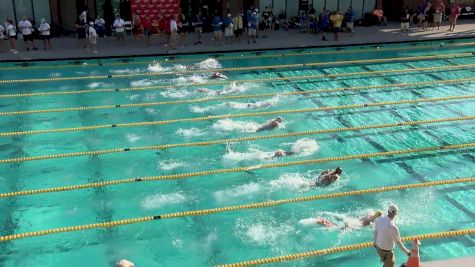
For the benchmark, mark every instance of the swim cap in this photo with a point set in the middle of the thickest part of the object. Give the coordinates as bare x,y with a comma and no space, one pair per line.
393,209
124,263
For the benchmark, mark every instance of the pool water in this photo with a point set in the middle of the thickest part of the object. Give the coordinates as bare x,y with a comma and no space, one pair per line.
245,234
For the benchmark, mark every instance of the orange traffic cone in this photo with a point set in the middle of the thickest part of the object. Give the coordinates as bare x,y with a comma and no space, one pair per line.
414,260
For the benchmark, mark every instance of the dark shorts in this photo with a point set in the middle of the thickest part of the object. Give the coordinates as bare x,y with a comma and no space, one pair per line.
12,37
238,31
81,34
28,37
147,32
45,37
336,29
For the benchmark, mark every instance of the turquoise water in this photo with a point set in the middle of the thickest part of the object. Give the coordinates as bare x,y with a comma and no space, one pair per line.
240,235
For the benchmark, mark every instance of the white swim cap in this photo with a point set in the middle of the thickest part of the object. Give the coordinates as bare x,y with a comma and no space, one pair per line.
124,263
393,209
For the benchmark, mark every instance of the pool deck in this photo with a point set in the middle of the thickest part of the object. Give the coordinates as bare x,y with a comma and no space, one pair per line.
462,262
66,47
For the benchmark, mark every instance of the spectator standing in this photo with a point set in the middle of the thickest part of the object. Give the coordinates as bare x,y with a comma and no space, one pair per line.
173,32
81,29
311,12
12,35
283,23
324,23
147,29
336,20
439,14
252,27
228,28
217,25
92,37
100,25
108,16
45,34
386,235
267,17
183,29
119,26
197,23
350,20
454,13
405,20
2,38
238,26
136,25
26,29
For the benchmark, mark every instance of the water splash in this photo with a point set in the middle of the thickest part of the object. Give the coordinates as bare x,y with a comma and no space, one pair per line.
305,147
132,138
209,63
248,190
191,132
168,165
176,93
161,200
229,125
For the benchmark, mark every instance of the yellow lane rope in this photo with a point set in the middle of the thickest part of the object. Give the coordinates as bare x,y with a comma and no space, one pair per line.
233,170
228,116
334,250
261,80
232,97
242,57
281,66
257,205
233,140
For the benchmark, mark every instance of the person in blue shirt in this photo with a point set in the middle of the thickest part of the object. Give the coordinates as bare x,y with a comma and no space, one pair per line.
324,23
217,25
350,20
252,27
197,24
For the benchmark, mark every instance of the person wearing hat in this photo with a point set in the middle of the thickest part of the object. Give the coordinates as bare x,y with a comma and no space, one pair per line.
386,234
124,263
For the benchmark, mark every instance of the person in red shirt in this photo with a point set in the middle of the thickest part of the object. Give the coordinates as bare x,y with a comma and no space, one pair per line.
162,25
454,13
147,29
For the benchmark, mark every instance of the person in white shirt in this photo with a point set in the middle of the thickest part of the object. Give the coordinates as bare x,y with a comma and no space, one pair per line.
12,35
45,33
386,234
26,29
92,37
119,25
173,31
2,37
100,26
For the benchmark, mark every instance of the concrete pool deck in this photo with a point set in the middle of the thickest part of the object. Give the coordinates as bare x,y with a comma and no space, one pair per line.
66,47
461,262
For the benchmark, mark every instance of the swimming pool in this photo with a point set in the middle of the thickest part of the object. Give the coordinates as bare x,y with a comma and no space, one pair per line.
113,110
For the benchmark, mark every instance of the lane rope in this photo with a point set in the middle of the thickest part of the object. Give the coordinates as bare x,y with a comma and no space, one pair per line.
235,170
281,66
232,140
339,249
168,60
258,205
227,82
228,116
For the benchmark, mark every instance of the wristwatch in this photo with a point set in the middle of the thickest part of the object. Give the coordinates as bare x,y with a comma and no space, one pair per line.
409,253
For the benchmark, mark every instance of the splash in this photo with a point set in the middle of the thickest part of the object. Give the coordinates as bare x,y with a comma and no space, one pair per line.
259,104
155,66
126,71
54,75
95,85
175,93
229,125
132,138
305,147
292,181
237,192
253,154
168,165
191,132
143,82
161,200
262,234
195,79
235,88
134,97
209,63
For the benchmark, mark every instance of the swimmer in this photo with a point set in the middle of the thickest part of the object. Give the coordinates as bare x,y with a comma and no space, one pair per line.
274,123
369,218
327,177
280,153
218,75
326,223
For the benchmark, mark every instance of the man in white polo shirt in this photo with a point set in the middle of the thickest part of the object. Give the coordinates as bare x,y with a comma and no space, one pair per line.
386,234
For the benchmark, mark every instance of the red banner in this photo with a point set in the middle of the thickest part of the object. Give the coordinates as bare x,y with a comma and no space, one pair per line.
153,8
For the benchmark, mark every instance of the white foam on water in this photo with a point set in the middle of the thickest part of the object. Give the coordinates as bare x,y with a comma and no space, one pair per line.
95,85
253,154
229,125
132,138
150,111
156,67
178,243
54,75
259,104
292,181
237,192
196,79
209,63
168,165
161,200
200,109
190,132
235,88
262,234
126,71
134,97
176,93
143,82
305,147
308,222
